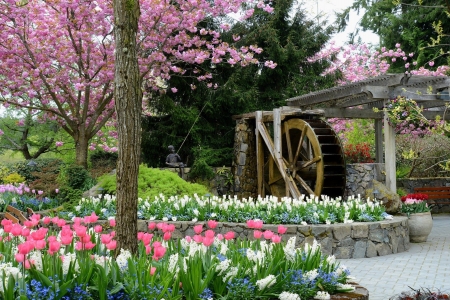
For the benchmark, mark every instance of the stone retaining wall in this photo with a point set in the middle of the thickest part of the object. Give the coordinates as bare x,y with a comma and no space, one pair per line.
353,240
360,177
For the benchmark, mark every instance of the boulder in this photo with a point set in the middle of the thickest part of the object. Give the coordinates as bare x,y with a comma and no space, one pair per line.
390,200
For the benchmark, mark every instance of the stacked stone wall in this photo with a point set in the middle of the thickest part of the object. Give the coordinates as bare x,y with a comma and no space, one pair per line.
244,159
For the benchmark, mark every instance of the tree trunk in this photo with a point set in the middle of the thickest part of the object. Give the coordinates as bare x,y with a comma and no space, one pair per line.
81,151
128,105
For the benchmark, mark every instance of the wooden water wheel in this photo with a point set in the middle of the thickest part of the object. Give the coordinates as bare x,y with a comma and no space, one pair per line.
299,154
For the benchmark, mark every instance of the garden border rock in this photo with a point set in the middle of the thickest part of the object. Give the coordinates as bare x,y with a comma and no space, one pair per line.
344,241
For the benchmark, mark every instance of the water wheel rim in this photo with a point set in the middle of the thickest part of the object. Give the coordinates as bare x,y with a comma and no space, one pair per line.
291,155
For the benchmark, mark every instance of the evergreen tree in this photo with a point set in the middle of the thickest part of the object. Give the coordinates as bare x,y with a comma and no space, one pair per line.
288,37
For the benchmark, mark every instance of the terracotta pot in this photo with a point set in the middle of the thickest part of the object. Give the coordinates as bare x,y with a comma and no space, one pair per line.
420,226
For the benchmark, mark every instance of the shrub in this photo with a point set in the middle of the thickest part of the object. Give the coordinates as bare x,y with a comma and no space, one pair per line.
77,177
359,153
102,162
68,196
13,178
153,182
4,171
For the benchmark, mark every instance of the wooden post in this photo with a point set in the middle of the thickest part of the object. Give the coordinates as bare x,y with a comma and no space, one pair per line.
259,156
389,155
277,138
378,141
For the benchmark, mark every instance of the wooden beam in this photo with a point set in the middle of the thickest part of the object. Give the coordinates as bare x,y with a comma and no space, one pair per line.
345,91
378,141
354,113
259,156
389,155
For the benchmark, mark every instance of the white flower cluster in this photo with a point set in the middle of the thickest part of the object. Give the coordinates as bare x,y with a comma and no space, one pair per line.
290,249
67,260
256,257
288,296
122,259
36,258
311,275
331,259
102,260
231,274
173,264
322,296
345,287
8,269
266,282
223,266
341,270
314,247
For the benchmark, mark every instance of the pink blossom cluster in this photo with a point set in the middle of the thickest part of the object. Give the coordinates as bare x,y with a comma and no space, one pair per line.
19,189
58,57
358,62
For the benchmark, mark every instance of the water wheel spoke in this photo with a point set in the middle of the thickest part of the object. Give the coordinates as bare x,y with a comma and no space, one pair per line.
300,143
288,142
313,161
304,184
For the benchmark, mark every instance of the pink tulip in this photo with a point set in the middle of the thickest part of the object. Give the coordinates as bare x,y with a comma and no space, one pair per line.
16,230
167,236
47,220
25,232
66,239
210,233
276,239
113,233
268,234
170,228
140,234
40,244
111,245
106,238
257,234
207,241
112,222
152,271
188,239
158,252
6,222
51,238
80,230
19,257
282,229
25,248
53,247
98,228
198,238
147,238
94,217
212,224
89,245
77,221
250,223
152,226
219,236
86,238
148,249
258,224
160,226
198,229
61,223
229,235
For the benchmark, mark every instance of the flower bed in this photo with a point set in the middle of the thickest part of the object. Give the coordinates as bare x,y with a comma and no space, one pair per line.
60,261
306,210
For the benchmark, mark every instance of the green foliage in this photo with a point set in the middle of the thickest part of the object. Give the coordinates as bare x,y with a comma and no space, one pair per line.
402,171
102,162
31,173
77,177
201,120
4,171
13,178
69,197
153,182
401,192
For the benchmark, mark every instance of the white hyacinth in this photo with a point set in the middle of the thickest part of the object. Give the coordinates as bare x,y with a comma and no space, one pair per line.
122,259
173,264
36,257
311,275
231,274
289,249
322,296
68,259
288,296
331,259
223,266
345,287
266,282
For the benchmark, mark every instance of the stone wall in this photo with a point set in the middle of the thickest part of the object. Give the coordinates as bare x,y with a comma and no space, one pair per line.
361,176
353,240
244,159
410,183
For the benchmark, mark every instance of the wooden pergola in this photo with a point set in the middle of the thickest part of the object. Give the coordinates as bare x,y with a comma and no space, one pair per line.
357,100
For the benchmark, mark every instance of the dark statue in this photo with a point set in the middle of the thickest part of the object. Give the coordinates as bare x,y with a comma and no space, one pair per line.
173,160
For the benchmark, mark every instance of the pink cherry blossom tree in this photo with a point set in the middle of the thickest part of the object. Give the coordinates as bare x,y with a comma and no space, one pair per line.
58,56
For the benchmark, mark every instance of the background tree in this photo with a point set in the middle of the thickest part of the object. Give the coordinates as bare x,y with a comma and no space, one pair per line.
416,25
288,38
24,132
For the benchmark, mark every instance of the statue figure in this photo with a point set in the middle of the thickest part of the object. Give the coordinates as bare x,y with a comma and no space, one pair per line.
173,160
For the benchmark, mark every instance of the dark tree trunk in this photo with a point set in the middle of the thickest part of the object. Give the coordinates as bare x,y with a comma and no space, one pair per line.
128,105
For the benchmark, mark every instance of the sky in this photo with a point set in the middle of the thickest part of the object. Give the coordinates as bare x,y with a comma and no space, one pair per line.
327,8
